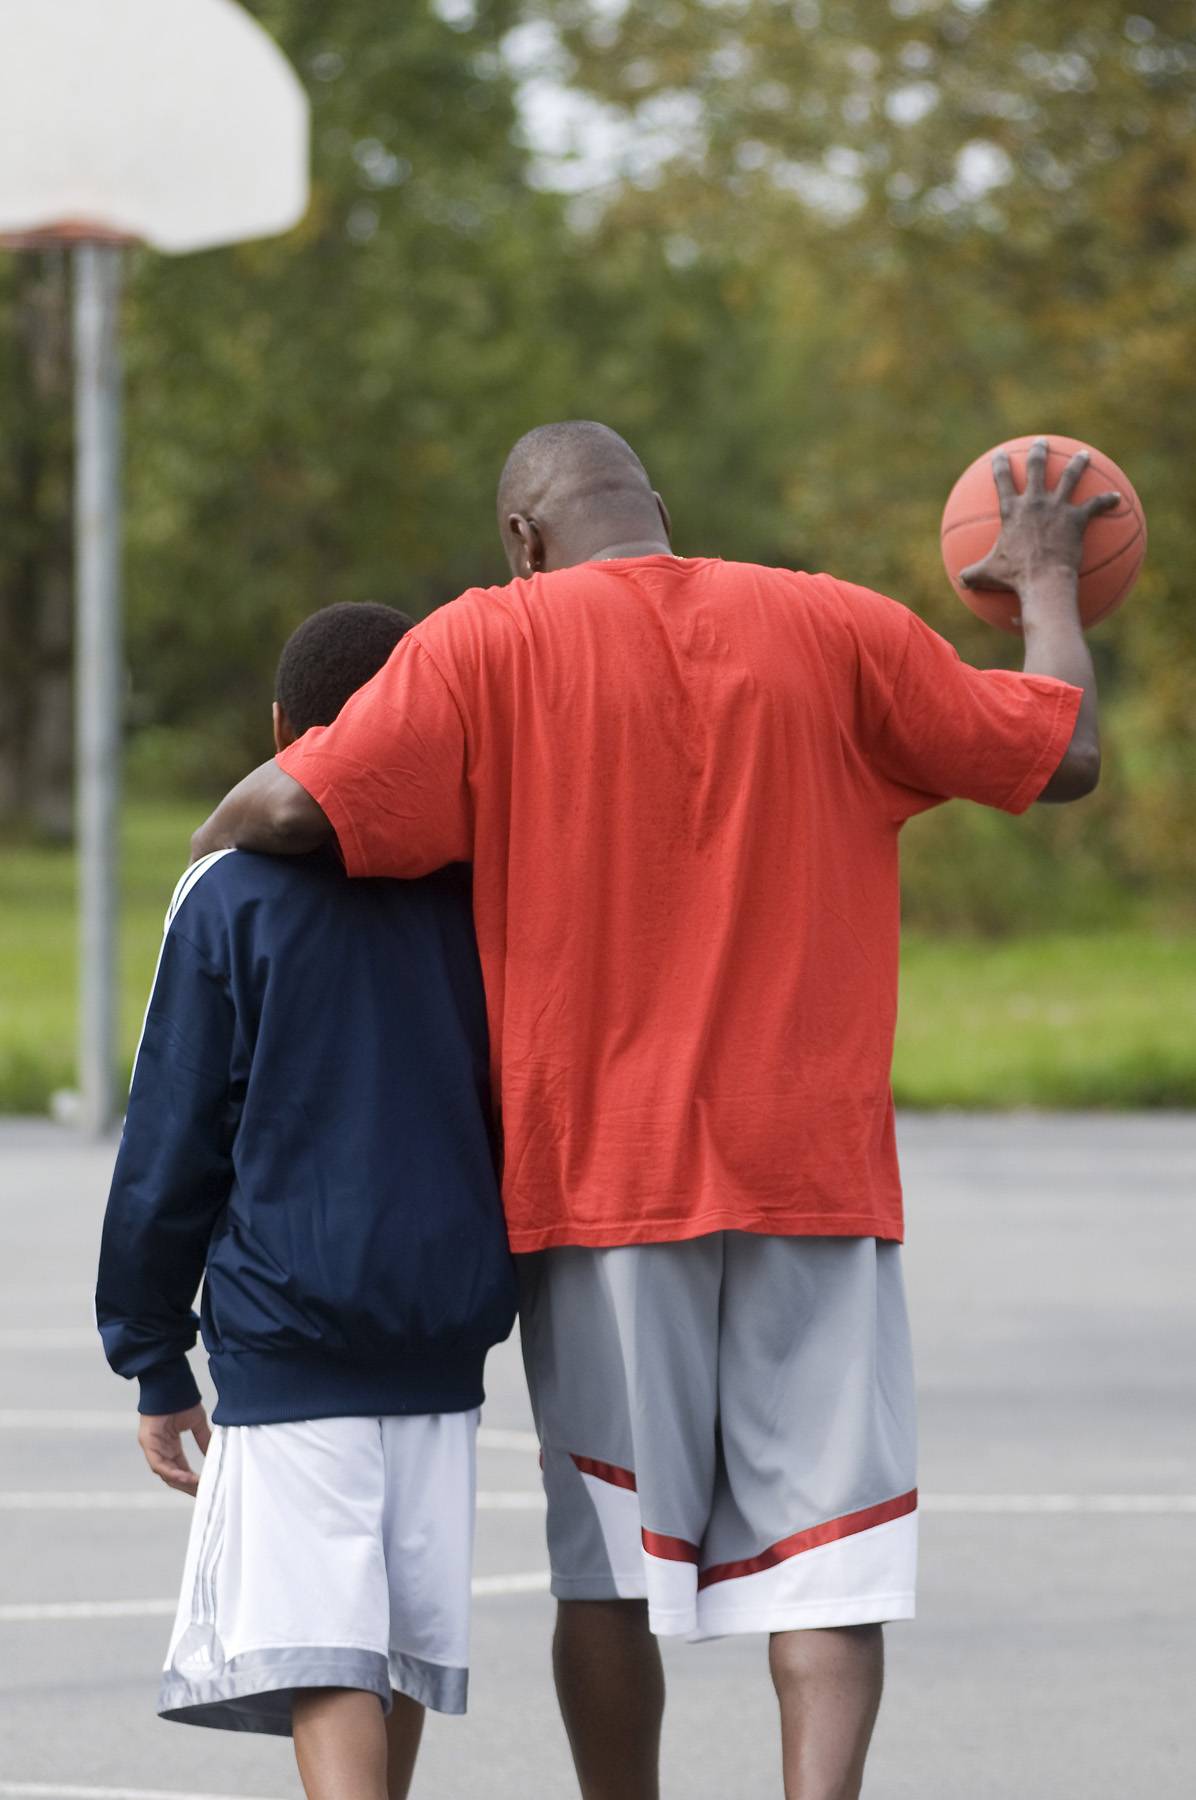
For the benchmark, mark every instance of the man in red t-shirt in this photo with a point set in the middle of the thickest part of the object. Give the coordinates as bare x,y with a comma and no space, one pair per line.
681,784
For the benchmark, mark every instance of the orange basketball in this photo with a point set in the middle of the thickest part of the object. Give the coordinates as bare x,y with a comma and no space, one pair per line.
1114,543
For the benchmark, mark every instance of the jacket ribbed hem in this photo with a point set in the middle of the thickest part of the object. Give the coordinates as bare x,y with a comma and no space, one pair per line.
273,1388
169,1387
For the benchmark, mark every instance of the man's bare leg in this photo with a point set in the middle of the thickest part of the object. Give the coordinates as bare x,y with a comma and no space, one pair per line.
610,1684
829,1685
347,1749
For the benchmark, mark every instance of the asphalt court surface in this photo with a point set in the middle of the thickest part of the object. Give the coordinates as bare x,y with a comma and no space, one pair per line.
1051,1269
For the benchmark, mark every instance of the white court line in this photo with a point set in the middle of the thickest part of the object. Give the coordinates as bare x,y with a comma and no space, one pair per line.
161,1500
493,1437
503,1438
54,1790
47,1293
47,1337
70,1500
13,1419
534,1581
533,1500
1045,1504
27,1613
62,1419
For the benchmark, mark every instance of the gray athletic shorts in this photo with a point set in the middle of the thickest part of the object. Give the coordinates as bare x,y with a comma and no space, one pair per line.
727,1428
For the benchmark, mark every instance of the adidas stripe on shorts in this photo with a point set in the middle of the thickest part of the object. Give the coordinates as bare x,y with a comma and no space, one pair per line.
728,1429
326,1553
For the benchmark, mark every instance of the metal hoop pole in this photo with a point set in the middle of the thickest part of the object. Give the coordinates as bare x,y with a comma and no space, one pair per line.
98,657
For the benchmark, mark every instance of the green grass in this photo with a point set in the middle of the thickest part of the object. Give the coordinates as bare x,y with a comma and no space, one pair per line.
37,947
1101,1019
1094,1020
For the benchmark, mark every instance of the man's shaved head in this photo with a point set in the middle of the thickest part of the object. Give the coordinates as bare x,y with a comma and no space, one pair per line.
575,491
577,460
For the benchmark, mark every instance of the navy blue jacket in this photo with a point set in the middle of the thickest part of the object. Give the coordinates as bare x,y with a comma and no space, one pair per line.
309,1132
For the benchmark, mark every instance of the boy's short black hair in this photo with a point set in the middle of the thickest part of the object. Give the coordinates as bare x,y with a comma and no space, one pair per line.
331,655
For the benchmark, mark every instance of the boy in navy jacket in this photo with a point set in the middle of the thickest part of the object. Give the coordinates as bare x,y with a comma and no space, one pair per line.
308,1131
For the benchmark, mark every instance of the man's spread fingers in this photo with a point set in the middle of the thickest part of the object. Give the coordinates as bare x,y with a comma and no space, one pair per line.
1036,462
1003,476
1102,503
977,575
983,575
1071,475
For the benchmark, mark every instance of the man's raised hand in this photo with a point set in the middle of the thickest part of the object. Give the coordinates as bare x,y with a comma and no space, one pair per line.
161,1438
1042,533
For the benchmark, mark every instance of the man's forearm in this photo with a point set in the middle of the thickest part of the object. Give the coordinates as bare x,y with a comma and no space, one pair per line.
268,811
1055,645
1038,555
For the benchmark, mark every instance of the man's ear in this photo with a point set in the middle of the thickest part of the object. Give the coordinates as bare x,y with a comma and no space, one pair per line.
525,547
283,735
665,520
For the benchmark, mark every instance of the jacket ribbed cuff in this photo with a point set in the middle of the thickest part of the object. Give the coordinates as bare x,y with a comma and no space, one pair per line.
169,1387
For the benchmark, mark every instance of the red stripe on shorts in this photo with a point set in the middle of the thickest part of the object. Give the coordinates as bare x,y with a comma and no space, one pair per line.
669,1549
624,1478
833,1529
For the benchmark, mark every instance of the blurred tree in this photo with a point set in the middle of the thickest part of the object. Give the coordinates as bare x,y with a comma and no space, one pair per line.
36,711
931,224
321,418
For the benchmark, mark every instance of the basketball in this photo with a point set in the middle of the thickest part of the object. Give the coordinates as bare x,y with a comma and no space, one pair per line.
1114,543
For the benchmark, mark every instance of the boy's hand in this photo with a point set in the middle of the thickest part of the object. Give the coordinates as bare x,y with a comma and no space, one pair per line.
1042,532
161,1439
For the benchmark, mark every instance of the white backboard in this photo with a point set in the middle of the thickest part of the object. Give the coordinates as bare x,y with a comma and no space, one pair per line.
178,123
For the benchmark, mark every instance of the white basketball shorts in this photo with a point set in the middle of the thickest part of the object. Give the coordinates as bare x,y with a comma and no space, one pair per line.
326,1553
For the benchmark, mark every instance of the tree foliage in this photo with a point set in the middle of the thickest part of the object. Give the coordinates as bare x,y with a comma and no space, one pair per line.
934,224
319,418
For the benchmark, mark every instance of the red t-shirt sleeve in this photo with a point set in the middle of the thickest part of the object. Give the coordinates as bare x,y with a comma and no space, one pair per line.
390,771
938,729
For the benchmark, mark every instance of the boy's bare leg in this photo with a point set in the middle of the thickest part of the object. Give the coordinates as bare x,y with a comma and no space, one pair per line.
829,1685
610,1684
404,1729
340,1744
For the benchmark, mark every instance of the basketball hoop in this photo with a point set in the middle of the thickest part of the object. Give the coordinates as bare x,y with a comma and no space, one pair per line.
178,124
65,236
175,123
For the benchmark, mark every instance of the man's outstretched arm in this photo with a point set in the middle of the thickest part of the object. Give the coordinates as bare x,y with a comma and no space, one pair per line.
1038,556
268,811
385,781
